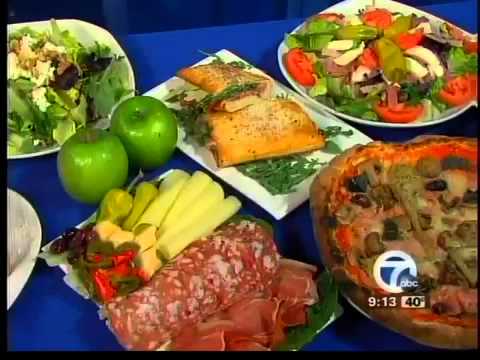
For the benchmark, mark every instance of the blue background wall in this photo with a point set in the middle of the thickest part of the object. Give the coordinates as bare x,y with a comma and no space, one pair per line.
137,16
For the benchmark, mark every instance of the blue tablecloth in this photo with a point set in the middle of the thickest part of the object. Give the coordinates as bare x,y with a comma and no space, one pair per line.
50,316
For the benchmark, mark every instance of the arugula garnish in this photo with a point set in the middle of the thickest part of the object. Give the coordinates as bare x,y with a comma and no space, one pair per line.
318,317
177,97
281,176
188,116
284,96
333,131
218,60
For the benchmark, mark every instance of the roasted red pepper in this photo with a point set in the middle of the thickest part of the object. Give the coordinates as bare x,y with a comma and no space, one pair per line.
103,285
124,258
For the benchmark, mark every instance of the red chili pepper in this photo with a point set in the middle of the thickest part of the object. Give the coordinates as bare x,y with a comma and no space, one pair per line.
104,286
124,258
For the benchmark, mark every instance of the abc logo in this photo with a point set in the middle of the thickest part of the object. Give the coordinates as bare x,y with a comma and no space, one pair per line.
395,272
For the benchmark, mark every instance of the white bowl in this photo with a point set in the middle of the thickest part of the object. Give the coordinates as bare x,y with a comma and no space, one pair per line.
351,7
86,33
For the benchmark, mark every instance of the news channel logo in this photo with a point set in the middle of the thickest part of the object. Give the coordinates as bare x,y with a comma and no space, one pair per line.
395,271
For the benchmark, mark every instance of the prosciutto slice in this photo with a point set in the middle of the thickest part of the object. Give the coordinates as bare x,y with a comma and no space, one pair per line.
259,322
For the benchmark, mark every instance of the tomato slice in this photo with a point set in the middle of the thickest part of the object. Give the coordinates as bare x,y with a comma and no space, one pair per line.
380,18
369,59
458,91
300,67
409,40
400,114
472,79
470,46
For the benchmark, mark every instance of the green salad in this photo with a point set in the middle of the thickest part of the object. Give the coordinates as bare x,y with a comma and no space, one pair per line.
383,66
56,85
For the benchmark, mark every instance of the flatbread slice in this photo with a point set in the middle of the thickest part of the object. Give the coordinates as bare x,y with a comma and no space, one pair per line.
266,129
215,78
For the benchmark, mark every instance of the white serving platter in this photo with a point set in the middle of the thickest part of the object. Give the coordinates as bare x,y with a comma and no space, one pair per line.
24,238
277,205
86,33
351,7
54,261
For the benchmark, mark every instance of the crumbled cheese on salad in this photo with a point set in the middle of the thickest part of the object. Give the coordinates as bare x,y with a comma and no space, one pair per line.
43,72
53,48
40,99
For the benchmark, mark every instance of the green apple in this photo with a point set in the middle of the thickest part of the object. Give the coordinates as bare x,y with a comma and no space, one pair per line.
147,129
90,163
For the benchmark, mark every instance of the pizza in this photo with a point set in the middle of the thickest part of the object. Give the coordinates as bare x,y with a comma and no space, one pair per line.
419,198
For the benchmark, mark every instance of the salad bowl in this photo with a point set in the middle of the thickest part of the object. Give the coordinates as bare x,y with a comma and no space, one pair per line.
348,9
71,34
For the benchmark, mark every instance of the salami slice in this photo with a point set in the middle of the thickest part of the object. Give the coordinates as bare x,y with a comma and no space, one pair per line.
213,273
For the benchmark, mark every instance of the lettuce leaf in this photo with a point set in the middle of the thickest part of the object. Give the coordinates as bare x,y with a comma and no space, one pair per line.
107,88
65,128
434,94
319,315
67,40
18,34
462,63
322,26
79,114
309,42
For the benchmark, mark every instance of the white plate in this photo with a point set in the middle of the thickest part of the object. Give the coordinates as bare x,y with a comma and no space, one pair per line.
86,34
24,238
351,7
280,205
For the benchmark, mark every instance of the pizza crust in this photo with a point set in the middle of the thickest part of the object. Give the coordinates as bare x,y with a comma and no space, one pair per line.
429,333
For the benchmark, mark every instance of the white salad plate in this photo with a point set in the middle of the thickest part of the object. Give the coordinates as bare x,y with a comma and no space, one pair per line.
86,33
24,238
351,7
277,205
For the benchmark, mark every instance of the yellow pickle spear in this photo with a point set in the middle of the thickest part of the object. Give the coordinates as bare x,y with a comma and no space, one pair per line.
115,206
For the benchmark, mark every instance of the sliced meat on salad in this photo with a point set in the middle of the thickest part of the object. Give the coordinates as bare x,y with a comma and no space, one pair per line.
384,66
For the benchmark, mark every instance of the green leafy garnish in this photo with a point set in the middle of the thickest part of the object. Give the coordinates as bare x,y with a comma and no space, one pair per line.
461,62
415,95
322,26
334,131
362,108
309,42
107,88
281,176
188,116
284,96
177,97
332,147
218,60
434,94
319,315
319,89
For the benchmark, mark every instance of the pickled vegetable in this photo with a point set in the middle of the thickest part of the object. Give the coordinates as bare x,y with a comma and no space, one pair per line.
115,207
357,32
144,194
391,59
401,25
